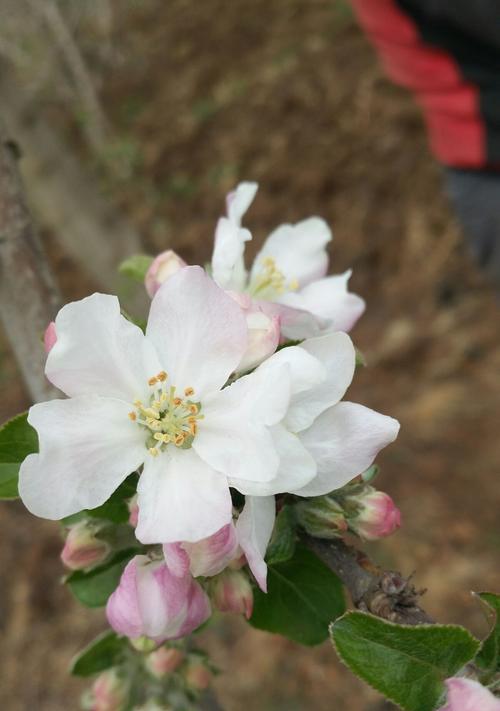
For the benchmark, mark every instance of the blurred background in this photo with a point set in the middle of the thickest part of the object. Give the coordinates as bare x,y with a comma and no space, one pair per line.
135,117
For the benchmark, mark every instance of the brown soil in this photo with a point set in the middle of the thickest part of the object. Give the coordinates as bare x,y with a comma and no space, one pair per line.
289,94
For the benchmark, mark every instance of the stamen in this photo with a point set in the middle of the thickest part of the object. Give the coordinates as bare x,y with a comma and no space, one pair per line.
153,380
162,376
188,392
132,416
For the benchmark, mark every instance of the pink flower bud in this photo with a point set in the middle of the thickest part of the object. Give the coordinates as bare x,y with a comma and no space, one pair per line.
231,592
133,508
197,674
82,548
109,692
151,601
263,332
378,516
161,268
468,695
164,661
49,337
211,555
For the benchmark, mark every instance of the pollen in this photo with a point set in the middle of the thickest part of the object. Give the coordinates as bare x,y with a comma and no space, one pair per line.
166,418
270,281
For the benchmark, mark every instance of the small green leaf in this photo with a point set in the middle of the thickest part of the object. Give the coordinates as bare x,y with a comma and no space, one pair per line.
102,653
116,509
93,588
17,440
303,597
406,664
136,267
488,657
283,541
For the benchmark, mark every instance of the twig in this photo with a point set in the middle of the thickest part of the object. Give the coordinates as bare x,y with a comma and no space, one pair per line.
386,594
29,297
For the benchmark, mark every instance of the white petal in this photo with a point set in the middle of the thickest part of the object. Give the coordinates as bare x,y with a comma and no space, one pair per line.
297,467
344,441
254,527
88,446
181,499
337,356
330,300
99,352
228,266
299,251
295,324
199,331
234,437
238,201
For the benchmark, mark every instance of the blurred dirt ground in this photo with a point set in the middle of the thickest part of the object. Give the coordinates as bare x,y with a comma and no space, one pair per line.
199,96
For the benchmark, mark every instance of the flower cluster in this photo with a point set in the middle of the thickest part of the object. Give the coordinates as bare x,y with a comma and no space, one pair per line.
231,396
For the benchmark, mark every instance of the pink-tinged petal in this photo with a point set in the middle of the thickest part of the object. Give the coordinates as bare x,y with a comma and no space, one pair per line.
88,446
99,352
299,252
228,266
296,468
211,555
231,592
263,334
239,200
329,300
469,695
254,527
234,437
181,499
122,609
198,609
162,267
337,356
49,337
295,324
176,558
344,441
198,330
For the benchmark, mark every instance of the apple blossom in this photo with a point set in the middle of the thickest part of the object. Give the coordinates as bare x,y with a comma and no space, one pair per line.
289,271
263,332
82,548
109,692
203,558
231,592
49,337
162,267
469,695
163,661
157,400
377,515
151,601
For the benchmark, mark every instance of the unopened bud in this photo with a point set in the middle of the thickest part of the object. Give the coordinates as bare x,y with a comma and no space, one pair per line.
164,661
49,337
109,692
197,674
231,592
162,267
82,548
322,517
377,515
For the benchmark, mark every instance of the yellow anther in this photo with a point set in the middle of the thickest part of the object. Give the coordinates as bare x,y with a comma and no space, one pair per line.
153,451
177,401
150,412
162,376
193,428
179,439
193,409
188,392
137,403
153,380
132,416
293,285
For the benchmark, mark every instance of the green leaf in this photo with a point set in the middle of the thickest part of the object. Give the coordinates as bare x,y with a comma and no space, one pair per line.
488,657
116,508
136,267
303,597
282,544
103,652
17,440
93,588
406,664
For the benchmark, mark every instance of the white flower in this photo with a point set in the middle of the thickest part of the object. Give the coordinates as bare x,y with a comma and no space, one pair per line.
328,440
157,400
289,271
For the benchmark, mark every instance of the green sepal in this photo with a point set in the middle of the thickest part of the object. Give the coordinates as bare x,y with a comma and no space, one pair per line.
136,267
488,657
93,588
